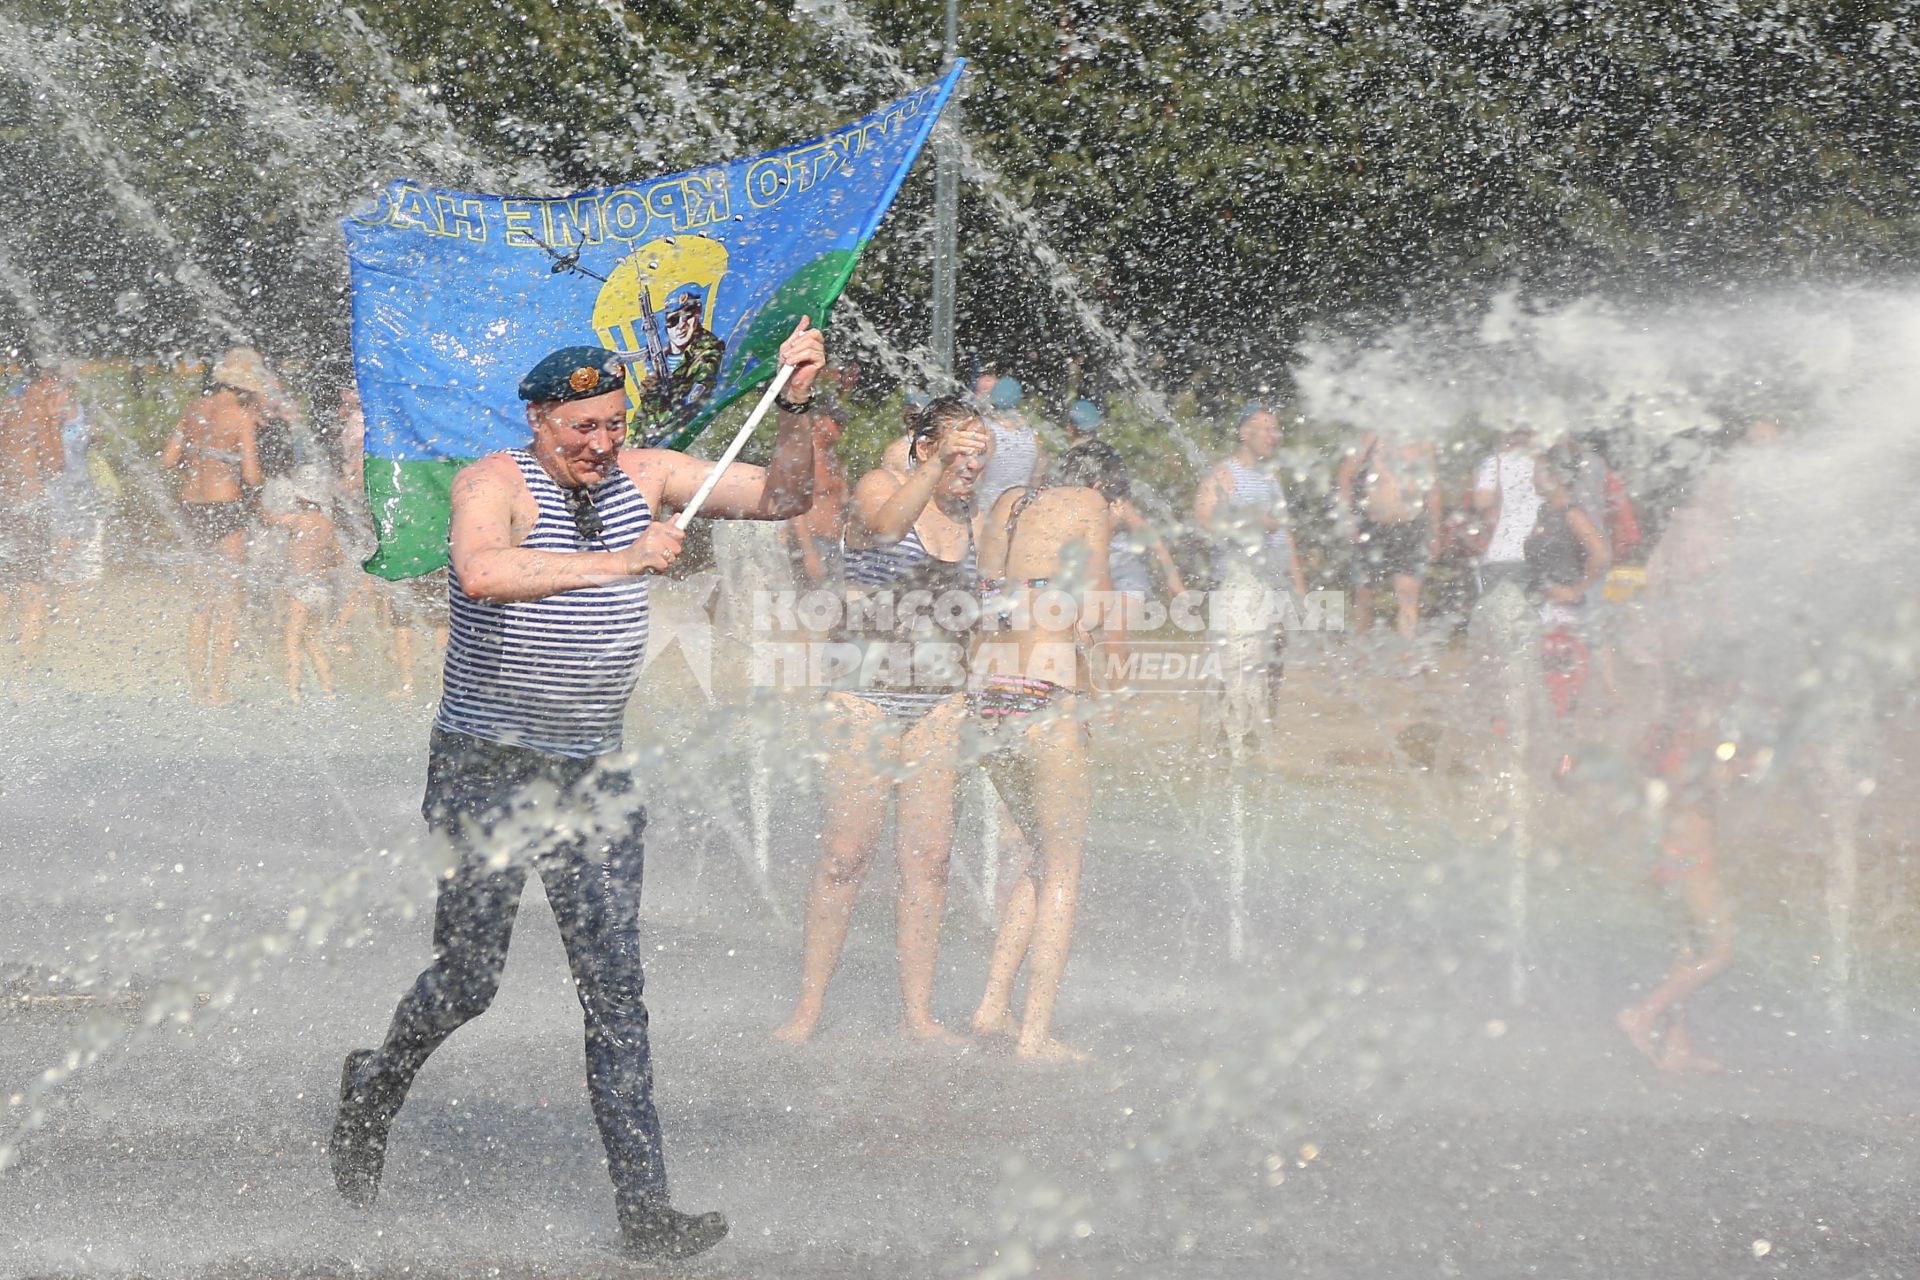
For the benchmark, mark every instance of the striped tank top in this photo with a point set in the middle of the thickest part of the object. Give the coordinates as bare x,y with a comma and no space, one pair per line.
912,665
554,674
1256,493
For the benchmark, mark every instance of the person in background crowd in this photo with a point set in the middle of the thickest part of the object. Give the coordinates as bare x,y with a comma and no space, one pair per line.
1243,508
983,383
1133,540
845,381
1019,458
347,449
32,465
299,550
1504,633
1389,503
1568,557
215,445
1619,525
1083,422
81,499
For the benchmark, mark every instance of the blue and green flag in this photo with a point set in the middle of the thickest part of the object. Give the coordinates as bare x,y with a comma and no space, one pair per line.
696,277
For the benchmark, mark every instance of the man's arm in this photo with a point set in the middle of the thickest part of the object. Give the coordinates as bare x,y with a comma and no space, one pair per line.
784,487
491,568
780,490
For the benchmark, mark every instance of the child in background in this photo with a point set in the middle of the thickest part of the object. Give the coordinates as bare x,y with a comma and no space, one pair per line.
301,550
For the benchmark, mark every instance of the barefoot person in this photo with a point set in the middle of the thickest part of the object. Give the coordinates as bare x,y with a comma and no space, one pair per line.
1045,556
551,548
894,731
216,446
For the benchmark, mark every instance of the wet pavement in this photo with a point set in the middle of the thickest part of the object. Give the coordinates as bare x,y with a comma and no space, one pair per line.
247,895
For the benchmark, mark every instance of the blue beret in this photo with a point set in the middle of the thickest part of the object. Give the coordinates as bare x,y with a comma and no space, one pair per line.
1084,414
574,373
1006,393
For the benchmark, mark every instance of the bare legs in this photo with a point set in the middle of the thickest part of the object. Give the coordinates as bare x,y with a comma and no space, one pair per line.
857,787
33,632
1037,924
210,631
210,639
403,660
1406,601
1704,957
994,1017
302,635
922,842
1406,598
405,647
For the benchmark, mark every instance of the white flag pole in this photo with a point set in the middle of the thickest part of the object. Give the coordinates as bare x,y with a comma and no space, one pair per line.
774,389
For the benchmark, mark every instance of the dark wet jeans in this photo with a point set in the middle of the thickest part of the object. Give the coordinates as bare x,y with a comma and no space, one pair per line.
578,822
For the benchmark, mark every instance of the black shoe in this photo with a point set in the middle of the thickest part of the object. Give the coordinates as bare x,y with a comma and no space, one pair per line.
358,1149
661,1235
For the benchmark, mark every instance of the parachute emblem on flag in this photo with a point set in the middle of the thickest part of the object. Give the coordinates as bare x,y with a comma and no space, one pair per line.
656,308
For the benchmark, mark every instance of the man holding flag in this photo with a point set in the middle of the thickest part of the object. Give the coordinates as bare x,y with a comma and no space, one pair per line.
551,546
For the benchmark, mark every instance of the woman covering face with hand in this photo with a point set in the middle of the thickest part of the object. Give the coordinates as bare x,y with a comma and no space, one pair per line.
892,728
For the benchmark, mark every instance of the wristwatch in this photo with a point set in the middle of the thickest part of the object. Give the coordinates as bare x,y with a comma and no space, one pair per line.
785,405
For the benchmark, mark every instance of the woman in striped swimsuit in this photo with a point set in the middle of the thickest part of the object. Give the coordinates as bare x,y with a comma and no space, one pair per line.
894,727
1045,555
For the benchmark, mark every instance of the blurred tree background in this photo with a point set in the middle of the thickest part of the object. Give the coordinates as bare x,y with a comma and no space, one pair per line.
1209,177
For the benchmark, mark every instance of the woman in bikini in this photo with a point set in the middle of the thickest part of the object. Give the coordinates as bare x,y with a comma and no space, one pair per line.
215,444
1045,553
894,729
